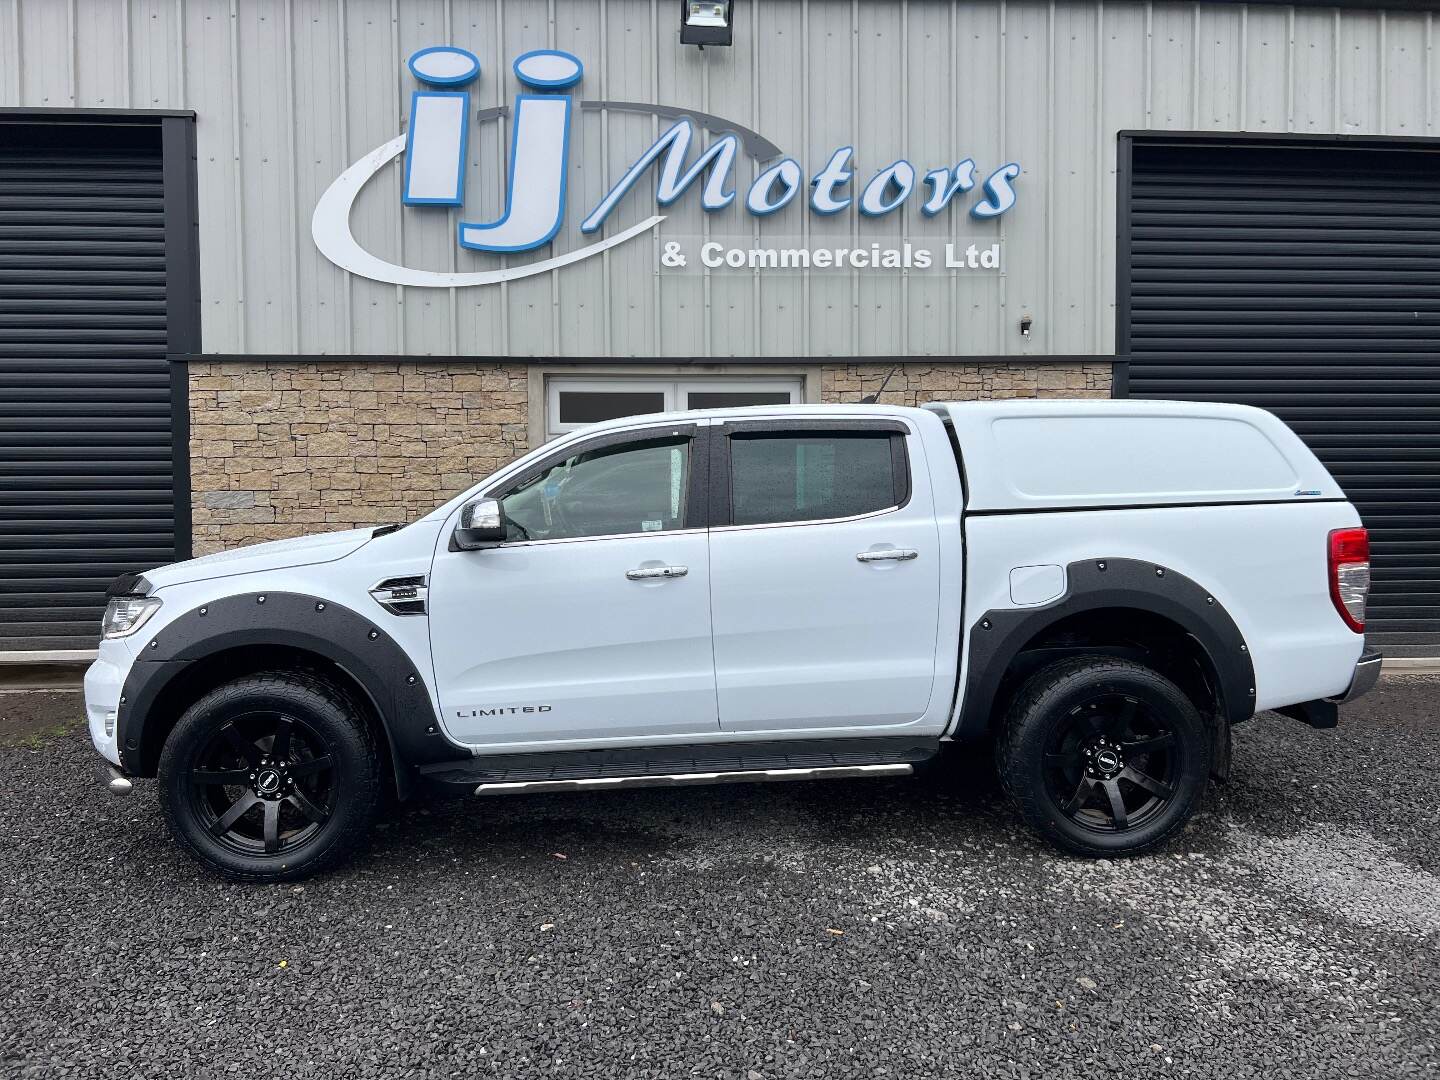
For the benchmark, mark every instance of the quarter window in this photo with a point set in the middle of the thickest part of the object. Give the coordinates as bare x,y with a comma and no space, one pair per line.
811,476
634,487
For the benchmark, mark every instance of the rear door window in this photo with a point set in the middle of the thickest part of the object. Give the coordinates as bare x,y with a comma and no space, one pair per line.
778,477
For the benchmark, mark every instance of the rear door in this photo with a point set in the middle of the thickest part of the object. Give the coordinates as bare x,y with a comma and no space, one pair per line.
824,562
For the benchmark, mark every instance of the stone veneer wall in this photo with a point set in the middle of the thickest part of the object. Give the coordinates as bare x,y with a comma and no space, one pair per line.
283,449
918,382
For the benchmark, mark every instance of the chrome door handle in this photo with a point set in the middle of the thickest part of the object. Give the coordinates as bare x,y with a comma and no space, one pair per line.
657,572
894,554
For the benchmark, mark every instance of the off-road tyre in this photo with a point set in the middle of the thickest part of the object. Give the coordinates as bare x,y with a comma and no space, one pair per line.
1083,728
327,782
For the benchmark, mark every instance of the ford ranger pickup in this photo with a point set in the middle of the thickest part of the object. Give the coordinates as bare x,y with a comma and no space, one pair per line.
1095,592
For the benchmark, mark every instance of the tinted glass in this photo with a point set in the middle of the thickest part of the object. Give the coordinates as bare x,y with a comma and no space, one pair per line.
729,399
592,406
810,476
630,488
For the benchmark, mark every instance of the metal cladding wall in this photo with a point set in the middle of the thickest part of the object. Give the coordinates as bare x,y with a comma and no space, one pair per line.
289,92
88,477
1305,279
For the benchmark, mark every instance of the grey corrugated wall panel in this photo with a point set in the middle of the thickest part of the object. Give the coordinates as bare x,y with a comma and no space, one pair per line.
1320,302
288,92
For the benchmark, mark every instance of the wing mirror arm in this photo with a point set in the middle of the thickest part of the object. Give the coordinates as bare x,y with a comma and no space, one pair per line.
482,524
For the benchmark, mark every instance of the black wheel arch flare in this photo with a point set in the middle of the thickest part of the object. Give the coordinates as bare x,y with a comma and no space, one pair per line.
312,624
998,637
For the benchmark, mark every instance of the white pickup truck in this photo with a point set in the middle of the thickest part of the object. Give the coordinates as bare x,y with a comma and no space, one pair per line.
1097,590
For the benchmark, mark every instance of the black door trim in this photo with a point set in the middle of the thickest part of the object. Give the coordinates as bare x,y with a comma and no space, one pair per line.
182,301
1124,163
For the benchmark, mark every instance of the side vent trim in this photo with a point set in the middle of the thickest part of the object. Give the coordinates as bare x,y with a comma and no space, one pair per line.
402,595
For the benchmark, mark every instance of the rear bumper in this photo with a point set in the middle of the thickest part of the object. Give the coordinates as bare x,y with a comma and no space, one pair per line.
1325,712
1367,673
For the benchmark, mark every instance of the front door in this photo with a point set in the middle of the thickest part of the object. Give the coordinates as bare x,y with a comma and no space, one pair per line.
825,577
592,621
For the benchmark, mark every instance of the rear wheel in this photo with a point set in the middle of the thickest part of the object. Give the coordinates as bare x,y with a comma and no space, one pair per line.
1104,756
271,777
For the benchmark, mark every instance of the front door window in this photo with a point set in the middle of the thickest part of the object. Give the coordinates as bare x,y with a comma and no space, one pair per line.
637,487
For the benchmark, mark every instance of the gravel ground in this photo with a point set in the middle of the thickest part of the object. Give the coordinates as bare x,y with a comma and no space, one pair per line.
870,928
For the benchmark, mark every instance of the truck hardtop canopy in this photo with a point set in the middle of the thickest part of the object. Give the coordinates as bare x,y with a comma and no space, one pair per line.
1068,454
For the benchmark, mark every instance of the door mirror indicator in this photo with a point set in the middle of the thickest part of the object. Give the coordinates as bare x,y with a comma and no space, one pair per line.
482,523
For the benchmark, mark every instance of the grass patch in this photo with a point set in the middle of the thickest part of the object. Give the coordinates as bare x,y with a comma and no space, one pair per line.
31,720
35,738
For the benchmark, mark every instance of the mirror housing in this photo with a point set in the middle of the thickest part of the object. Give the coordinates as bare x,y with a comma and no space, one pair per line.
482,523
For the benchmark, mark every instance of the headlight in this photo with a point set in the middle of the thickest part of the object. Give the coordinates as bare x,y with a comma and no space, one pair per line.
126,614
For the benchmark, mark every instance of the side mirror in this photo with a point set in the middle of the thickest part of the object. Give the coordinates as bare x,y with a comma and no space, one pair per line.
482,522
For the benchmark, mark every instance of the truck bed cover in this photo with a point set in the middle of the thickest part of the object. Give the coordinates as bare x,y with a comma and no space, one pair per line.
1072,454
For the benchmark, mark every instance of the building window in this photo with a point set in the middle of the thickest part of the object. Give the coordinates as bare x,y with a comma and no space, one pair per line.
571,403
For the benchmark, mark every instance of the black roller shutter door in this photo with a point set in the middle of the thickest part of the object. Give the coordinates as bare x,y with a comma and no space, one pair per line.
1304,278
88,445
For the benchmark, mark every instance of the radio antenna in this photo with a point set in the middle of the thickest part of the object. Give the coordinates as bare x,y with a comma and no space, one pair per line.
871,399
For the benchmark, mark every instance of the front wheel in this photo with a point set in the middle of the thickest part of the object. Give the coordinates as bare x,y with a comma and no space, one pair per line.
271,777
1104,756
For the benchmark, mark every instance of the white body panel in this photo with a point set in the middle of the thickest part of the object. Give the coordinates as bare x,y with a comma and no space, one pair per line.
1266,565
557,628
1034,455
269,556
808,636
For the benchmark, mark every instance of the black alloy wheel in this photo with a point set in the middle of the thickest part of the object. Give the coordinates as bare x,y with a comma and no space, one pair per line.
1112,763
272,777
1104,756
264,783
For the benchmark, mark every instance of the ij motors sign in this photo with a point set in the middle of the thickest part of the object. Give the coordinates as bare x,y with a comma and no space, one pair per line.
435,149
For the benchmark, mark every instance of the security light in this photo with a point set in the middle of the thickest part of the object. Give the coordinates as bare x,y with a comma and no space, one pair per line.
707,22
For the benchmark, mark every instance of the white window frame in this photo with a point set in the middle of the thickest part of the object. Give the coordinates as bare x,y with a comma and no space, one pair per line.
674,387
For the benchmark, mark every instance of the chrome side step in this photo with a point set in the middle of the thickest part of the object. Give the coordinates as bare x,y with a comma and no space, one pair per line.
609,783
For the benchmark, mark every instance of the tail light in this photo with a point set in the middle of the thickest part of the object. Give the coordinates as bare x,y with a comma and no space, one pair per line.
1350,575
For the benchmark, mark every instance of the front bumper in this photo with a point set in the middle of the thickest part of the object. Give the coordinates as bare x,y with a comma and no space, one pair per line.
104,681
